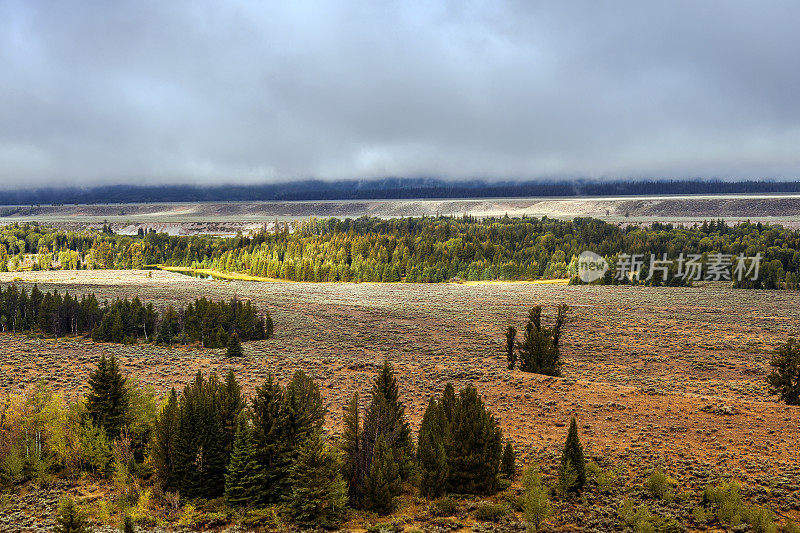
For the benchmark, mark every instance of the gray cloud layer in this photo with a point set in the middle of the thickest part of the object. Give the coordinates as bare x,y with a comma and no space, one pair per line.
202,92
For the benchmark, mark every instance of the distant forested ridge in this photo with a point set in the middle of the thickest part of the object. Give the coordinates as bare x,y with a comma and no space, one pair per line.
387,188
423,249
128,321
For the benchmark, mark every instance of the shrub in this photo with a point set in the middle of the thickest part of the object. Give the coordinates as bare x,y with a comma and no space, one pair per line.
266,518
726,502
445,506
71,519
490,512
659,485
535,502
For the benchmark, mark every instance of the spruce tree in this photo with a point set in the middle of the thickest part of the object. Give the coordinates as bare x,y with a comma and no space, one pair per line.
70,518
431,450
241,480
511,354
319,494
199,453
572,474
272,451
350,446
507,467
784,380
392,423
303,408
382,482
162,449
475,446
107,401
228,404
234,347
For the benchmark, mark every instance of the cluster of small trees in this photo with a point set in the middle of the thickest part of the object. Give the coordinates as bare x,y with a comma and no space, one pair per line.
212,323
210,441
410,249
539,352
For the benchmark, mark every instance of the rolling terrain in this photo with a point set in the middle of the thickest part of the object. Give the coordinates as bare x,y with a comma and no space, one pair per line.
670,377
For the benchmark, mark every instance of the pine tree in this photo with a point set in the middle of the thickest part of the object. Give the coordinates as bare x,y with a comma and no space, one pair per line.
511,354
572,474
303,408
199,453
163,446
272,451
382,482
431,450
319,494
785,377
392,423
350,446
475,446
234,347
70,518
228,404
241,479
507,467
107,401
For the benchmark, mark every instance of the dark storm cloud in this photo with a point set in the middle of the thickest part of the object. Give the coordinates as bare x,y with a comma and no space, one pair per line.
209,92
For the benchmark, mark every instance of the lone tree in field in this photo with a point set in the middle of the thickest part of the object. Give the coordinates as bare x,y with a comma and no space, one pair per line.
539,351
511,354
234,347
107,401
572,474
785,377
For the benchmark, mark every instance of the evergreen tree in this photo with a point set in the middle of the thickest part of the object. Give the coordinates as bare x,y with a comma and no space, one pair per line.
303,408
241,479
431,450
511,354
70,518
539,350
784,380
382,482
163,446
475,446
199,455
350,446
391,422
507,467
319,494
572,474
107,401
229,403
272,451
234,346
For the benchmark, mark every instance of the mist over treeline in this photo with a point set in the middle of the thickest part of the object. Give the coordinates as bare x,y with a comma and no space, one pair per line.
387,188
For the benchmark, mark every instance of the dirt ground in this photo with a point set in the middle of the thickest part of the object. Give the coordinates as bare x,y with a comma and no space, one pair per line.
671,377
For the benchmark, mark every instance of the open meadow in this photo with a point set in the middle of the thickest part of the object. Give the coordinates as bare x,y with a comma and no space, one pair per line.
669,377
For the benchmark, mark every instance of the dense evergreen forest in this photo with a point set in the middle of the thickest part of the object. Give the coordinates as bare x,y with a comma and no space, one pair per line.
414,249
127,321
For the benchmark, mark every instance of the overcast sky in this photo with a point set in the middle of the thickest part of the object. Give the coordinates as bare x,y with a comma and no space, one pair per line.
203,92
